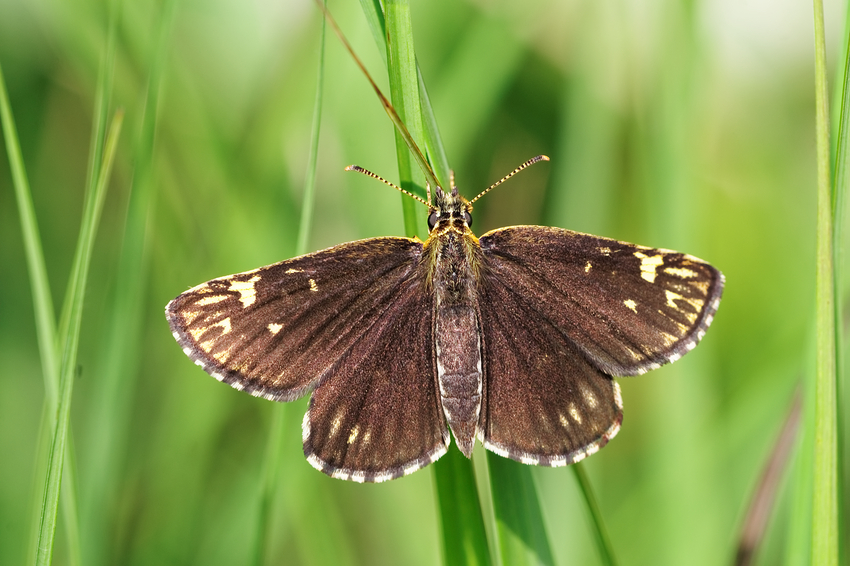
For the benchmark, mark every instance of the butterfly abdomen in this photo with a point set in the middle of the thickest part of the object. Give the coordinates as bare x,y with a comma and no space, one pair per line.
457,338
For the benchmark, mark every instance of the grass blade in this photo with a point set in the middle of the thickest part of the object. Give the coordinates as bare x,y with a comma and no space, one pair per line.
519,517
271,465
825,503
121,351
603,541
463,534
45,321
79,274
404,92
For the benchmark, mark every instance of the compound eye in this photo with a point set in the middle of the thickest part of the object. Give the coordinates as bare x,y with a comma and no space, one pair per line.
467,217
432,220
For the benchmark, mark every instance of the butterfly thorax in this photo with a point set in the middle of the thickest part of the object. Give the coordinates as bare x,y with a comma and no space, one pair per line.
453,254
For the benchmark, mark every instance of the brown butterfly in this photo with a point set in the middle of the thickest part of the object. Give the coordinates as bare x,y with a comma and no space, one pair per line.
512,338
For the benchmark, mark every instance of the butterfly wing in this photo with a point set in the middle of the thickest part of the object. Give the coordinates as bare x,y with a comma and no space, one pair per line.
560,313
378,417
628,308
351,321
277,331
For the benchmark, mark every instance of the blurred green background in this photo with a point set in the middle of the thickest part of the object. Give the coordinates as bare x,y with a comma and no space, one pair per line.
683,125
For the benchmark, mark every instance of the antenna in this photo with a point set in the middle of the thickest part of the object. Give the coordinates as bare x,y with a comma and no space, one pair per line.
384,181
430,177
531,161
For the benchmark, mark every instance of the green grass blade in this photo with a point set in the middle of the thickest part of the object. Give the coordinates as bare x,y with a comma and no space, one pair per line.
45,321
603,541
825,505
842,180
519,517
433,141
463,535
79,274
404,91
271,463
118,366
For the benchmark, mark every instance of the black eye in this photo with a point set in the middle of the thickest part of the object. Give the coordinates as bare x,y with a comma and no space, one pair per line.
467,218
432,220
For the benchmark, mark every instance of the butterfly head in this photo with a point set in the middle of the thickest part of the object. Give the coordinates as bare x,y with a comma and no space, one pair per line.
450,209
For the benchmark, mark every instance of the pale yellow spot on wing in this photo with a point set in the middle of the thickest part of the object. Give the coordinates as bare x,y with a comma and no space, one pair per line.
222,356
207,346
335,424
197,332
701,286
354,432
189,316
246,290
366,437
605,251
292,270
682,272
563,420
590,398
634,354
631,304
313,286
648,265
587,267
575,414
668,339
211,300
672,298
224,324
274,328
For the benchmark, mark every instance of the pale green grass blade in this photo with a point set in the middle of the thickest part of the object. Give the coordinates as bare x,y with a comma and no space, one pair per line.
825,505
79,274
45,321
404,92
271,464
462,525
463,534
121,352
519,517
42,302
603,540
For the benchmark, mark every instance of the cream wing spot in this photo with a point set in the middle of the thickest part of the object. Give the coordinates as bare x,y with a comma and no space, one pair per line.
246,290
354,433
274,328
313,286
682,272
211,300
648,265
587,267
574,413
631,305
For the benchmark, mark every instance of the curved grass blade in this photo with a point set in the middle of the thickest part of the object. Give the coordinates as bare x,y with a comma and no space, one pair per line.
271,465
70,342
825,535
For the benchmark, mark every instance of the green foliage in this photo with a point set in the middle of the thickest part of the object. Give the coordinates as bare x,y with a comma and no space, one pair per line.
684,126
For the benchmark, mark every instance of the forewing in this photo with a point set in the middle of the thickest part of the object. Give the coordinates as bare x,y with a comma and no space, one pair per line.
627,308
377,416
276,331
544,402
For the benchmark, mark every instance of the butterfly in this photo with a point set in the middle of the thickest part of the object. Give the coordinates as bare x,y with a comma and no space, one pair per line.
512,338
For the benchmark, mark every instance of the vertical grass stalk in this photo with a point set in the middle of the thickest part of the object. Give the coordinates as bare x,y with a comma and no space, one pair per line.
825,504
70,342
